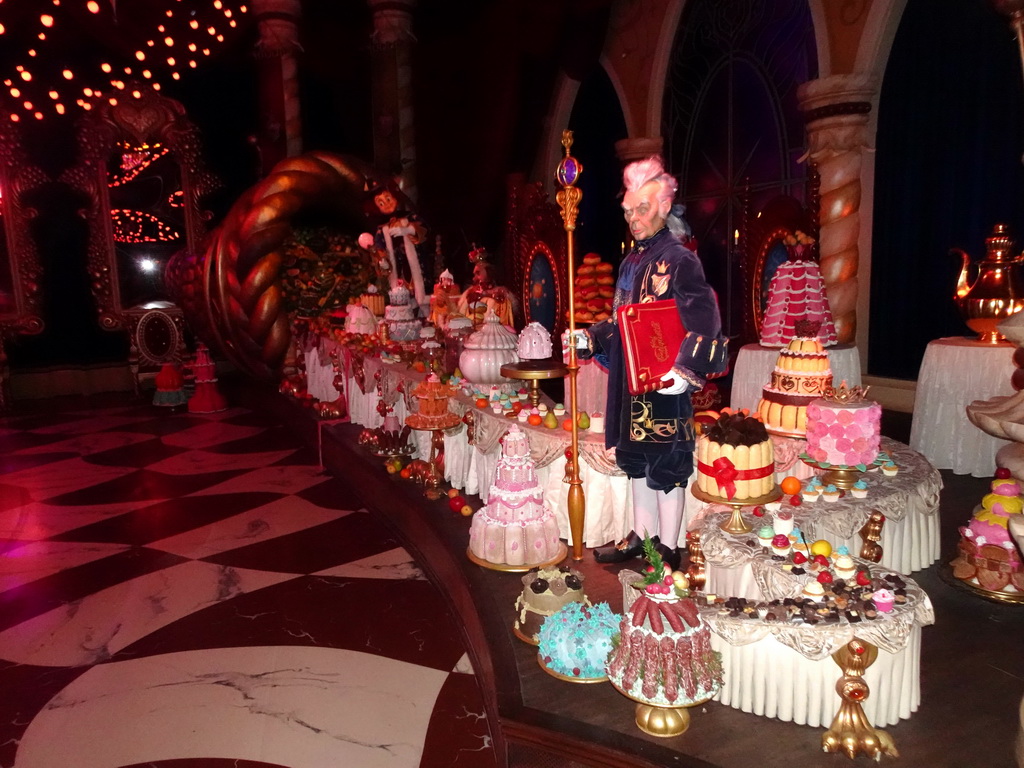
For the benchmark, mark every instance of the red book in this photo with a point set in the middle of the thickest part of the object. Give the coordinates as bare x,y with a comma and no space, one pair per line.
651,336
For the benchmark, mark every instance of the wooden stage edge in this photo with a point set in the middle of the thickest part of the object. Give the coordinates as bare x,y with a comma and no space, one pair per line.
483,601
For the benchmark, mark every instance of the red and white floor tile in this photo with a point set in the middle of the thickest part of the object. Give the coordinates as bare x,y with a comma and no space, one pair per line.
184,591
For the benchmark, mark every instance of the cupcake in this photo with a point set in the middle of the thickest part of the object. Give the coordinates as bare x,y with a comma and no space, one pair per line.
780,544
813,590
542,409
782,522
772,507
765,535
523,415
859,490
799,545
524,394
845,567
810,493
559,409
815,482
831,493
883,600
889,469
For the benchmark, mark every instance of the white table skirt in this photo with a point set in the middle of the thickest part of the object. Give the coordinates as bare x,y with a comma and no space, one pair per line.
787,672
609,506
954,373
770,679
754,366
591,387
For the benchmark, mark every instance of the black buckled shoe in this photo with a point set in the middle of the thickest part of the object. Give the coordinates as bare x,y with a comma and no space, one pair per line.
671,557
630,547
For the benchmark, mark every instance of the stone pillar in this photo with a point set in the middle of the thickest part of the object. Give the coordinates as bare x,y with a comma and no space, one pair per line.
281,119
638,148
836,110
394,145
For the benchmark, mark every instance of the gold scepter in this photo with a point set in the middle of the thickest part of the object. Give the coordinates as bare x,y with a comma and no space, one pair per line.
568,197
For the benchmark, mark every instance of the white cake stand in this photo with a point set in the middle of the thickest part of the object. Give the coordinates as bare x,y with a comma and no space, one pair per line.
1003,416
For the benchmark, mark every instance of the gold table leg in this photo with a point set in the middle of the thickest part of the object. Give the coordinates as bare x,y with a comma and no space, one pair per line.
432,481
662,721
533,390
851,731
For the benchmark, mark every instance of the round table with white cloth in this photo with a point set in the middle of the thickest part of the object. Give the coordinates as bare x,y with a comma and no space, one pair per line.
785,670
955,372
752,371
909,501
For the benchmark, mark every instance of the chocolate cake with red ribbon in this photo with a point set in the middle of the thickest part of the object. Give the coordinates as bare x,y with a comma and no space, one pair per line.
735,460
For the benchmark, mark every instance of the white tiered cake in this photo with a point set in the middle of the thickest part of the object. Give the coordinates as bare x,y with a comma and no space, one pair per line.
515,528
400,314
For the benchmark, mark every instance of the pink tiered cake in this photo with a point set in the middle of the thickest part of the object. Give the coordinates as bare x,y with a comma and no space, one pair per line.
797,292
515,528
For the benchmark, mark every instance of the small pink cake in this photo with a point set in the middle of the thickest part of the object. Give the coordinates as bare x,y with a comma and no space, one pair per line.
515,528
883,600
535,342
796,292
844,432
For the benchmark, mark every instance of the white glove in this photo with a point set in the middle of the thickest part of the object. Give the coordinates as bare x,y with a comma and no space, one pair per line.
676,384
580,338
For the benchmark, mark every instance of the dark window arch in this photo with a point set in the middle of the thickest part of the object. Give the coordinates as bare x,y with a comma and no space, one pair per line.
731,121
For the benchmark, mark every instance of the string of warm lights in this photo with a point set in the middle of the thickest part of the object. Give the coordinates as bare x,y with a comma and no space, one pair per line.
140,227
181,37
134,160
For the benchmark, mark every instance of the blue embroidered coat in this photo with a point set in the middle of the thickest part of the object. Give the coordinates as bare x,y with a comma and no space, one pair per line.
656,269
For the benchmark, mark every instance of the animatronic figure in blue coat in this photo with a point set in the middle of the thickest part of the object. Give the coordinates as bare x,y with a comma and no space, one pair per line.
653,433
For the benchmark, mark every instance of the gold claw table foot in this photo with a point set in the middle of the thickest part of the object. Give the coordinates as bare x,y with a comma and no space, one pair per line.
851,731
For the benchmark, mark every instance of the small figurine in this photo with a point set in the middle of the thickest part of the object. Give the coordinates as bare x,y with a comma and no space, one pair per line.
444,301
483,293
871,534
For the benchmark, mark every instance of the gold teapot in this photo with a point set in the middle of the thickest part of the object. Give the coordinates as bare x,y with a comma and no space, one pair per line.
997,291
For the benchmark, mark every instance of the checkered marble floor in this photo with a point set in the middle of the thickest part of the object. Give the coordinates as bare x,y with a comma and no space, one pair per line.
193,591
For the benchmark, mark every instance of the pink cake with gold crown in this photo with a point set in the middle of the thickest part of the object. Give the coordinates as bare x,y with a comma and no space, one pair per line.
844,428
515,528
797,292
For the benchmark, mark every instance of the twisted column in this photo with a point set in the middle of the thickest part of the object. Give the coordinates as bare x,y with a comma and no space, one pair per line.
281,127
836,111
394,144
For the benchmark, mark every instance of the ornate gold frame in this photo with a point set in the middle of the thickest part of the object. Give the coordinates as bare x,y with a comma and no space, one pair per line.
534,228
760,232
148,118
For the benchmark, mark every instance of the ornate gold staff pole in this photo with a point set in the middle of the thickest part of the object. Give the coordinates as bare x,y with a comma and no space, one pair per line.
568,197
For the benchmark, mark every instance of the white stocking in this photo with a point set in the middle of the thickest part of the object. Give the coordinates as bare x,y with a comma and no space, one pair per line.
645,507
670,515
